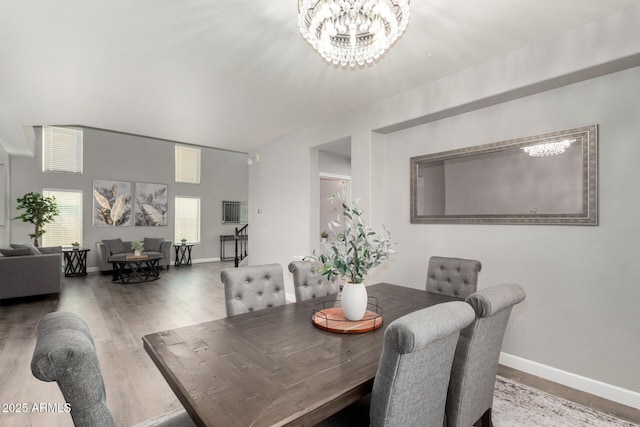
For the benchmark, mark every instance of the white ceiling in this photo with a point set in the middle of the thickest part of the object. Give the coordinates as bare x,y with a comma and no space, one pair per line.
234,73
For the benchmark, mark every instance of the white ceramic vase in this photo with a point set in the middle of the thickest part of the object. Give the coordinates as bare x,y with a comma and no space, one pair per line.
137,253
354,301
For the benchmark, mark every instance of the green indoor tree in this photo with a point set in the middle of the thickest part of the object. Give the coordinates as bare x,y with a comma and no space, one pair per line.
39,210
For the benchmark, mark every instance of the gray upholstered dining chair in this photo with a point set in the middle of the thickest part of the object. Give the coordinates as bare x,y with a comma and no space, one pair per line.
252,288
410,386
65,353
456,277
475,365
309,283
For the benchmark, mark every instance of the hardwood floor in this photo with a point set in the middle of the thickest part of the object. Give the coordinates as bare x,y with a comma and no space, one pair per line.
119,315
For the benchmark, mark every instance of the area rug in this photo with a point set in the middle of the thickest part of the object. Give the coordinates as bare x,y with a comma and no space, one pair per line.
518,405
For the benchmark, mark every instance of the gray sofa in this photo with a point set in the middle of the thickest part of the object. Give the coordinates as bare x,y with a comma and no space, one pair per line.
106,248
29,274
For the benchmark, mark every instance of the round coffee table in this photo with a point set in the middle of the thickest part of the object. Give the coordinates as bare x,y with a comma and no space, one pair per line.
128,268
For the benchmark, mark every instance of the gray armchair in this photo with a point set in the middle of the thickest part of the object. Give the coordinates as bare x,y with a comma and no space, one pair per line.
475,364
308,283
456,277
252,288
410,386
65,353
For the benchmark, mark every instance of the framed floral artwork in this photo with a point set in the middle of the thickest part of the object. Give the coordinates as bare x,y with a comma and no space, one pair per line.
151,205
111,203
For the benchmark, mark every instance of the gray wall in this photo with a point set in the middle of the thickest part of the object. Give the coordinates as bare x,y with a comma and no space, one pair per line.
331,163
581,311
4,198
116,156
579,323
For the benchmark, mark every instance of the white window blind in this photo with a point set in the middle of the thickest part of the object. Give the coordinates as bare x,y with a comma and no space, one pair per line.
66,227
187,164
187,219
61,150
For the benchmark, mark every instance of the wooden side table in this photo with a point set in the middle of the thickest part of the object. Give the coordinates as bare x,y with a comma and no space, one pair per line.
75,262
183,254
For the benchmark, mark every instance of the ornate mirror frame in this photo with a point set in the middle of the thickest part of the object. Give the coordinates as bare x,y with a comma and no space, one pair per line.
569,190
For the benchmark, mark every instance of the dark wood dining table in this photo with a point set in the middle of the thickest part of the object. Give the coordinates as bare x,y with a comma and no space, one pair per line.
273,367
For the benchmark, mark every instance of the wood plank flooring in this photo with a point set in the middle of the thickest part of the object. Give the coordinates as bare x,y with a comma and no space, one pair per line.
119,315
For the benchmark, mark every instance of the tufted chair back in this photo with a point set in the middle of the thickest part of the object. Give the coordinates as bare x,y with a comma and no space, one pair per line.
475,364
253,288
453,276
309,283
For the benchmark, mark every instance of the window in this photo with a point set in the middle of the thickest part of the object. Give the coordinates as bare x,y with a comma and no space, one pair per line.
235,212
66,227
187,164
187,219
61,150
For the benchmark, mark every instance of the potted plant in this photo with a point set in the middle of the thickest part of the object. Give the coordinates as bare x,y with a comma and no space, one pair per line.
356,250
138,247
184,241
323,235
75,246
39,210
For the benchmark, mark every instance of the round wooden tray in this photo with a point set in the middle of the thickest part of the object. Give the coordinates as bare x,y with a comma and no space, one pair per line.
332,319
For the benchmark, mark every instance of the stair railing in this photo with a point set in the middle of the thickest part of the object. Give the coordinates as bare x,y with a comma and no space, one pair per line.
241,241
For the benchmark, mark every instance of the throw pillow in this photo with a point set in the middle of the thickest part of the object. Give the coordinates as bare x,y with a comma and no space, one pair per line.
116,246
152,245
15,252
33,249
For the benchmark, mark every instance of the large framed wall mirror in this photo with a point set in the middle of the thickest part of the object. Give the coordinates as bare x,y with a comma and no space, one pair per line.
543,179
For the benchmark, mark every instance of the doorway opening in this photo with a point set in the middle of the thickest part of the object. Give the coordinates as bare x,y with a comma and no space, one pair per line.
334,177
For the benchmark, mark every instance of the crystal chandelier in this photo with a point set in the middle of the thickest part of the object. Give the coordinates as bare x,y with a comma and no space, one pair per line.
352,32
549,148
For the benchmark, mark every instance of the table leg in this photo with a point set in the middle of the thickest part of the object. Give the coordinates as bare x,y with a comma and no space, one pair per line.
116,272
189,255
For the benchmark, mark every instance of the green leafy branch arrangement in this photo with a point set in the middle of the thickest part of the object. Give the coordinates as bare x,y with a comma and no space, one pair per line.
39,211
357,248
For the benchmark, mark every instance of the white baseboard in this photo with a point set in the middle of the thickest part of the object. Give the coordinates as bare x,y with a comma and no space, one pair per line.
588,385
202,260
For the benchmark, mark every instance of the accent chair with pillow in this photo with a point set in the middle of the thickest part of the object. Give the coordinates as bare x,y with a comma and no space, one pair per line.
109,247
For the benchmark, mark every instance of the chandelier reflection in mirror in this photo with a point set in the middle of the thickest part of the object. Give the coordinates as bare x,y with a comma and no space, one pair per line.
352,32
549,148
